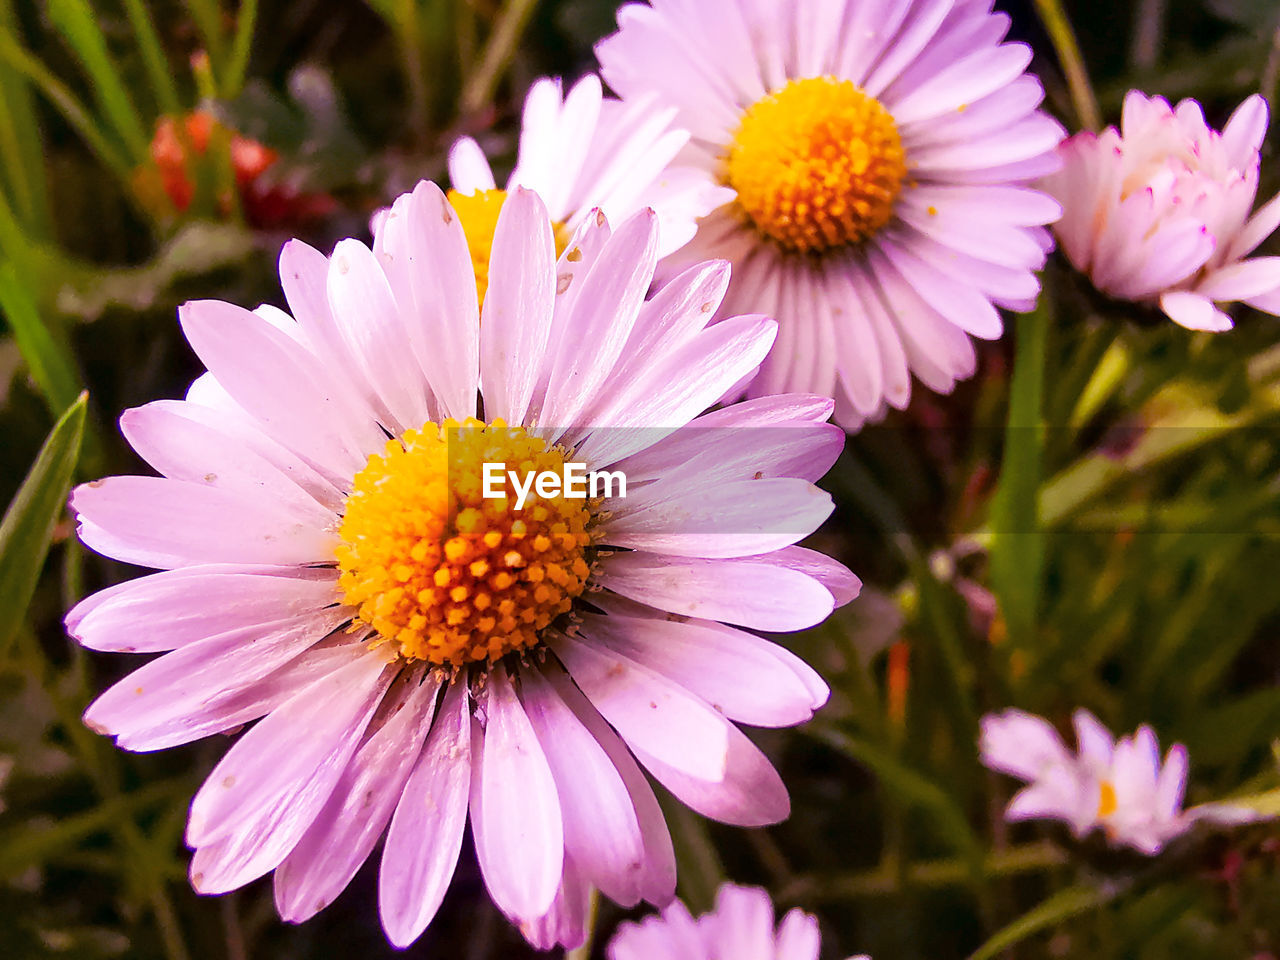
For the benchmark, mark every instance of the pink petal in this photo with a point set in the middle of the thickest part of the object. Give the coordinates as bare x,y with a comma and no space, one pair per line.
265,792
155,522
185,441
746,593
179,696
370,320
661,394
735,672
346,829
171,609
515,810
601,320
751,794
295,398
601,832
516,320
657,883
799,937
745,518
647,709
425,836
468,168
1194,311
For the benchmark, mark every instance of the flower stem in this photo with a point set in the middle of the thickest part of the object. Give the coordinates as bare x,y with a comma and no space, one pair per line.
1064,43
496,56
1017,548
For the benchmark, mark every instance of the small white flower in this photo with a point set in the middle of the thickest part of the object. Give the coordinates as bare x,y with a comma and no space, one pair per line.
1120,786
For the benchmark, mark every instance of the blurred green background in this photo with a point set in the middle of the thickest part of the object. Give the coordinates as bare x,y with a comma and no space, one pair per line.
1101,530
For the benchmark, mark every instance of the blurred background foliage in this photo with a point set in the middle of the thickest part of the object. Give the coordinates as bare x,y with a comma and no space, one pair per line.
1093,521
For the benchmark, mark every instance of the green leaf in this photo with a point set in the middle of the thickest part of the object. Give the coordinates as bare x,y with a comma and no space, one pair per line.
28,524
1063,905
48,360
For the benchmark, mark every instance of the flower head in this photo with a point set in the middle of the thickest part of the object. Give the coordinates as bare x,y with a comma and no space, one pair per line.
741,925
1120,786
581,151
418,652
879,157
1159,211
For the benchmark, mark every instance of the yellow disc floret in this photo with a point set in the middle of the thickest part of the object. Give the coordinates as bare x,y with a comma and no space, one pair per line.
442,572
478,213
817,165
1107,800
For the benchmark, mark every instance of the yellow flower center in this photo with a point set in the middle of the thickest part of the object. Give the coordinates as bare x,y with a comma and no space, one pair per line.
817,165
1107,803
446,574
478,213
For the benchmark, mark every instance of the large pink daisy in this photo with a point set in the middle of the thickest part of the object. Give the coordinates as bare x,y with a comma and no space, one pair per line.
417,653
881,153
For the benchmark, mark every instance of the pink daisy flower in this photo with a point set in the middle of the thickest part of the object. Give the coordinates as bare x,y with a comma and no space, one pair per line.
582,151
741,926
1120,786
1158,211
417,653
881,154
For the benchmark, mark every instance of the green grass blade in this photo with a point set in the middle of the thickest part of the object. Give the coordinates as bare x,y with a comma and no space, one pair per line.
21,147
48,360
78,24
153,57
911,789
1017,547
246,21
1062,906
27,527
207,15
67,104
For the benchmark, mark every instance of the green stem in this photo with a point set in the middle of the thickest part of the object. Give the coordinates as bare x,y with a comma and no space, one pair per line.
593,913
208,17
1017,547
246,20
1064,43
498,50
153,57
923,874
701,871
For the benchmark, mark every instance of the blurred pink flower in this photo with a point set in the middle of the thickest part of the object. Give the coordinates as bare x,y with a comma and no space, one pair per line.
417,656
740,927
1159,211
583,150
1121,786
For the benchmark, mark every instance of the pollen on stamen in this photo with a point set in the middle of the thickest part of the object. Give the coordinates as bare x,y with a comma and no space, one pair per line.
444,575
1107,801
817,165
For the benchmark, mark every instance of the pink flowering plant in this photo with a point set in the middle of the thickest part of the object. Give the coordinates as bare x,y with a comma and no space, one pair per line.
640,480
